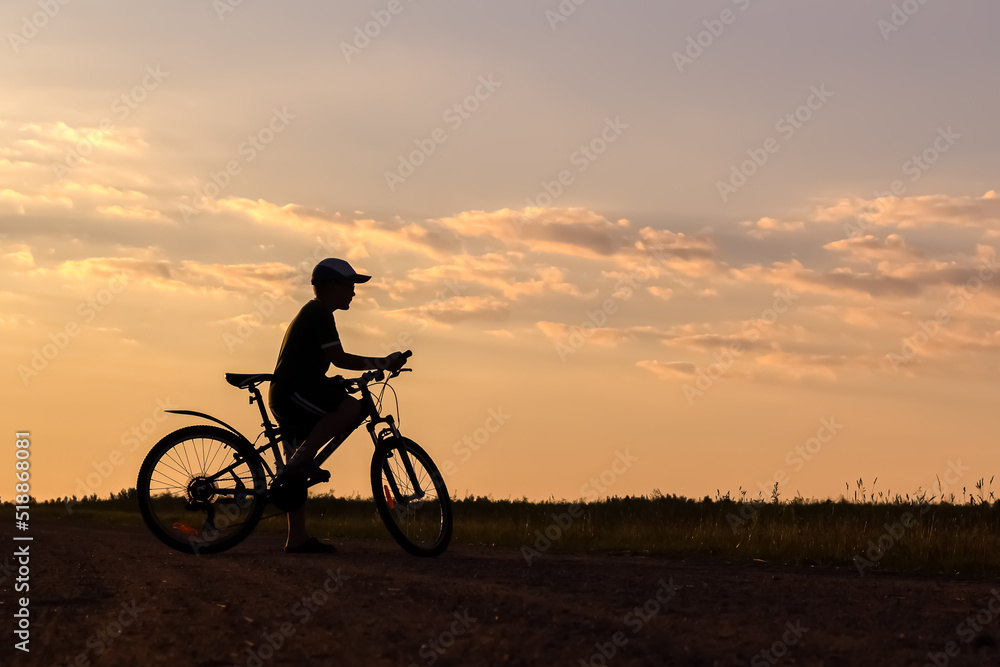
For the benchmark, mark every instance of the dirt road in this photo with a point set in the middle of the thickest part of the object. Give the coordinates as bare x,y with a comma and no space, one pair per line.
114,596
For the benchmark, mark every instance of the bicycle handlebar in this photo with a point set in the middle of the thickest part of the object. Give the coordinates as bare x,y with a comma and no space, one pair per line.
378,375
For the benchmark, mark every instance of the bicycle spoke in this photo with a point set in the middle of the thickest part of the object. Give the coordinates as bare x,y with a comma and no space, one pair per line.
193,499
174,486
199,449
182,453
214,455
197,459
171,479
176,460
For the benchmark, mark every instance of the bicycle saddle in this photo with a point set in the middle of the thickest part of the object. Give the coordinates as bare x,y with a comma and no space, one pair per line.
246,380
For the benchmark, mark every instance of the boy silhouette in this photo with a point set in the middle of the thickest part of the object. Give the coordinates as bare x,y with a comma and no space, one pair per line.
315,407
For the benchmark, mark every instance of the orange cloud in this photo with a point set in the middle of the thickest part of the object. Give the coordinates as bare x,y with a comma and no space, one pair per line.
457,309
764,227
923,211
576,232
668,369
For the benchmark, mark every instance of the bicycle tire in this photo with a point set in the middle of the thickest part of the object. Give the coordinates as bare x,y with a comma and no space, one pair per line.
428,534
169,483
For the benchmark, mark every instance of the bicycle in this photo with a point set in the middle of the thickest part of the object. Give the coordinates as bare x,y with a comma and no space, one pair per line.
204,488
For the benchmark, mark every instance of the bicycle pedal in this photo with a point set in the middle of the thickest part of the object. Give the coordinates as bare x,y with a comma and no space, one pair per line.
321,477
288,492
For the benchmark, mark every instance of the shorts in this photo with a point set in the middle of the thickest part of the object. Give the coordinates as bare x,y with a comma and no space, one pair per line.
299,409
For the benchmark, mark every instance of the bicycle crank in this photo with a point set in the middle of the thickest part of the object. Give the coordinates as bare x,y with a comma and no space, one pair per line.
288,492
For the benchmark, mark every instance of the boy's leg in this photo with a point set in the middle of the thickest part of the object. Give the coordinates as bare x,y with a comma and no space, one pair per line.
345,416
297,527
332,424
296,518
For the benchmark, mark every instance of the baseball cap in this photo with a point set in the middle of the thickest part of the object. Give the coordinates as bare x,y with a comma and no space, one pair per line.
331,269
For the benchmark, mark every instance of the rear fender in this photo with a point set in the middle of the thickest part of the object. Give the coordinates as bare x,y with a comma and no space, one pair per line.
194,413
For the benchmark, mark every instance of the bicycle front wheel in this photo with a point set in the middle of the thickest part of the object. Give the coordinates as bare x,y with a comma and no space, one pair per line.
201,489
411,497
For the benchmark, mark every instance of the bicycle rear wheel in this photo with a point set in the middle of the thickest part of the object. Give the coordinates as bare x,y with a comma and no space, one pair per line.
411,497
201,489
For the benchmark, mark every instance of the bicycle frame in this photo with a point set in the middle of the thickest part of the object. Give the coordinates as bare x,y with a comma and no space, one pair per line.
273,436
370,413
271,433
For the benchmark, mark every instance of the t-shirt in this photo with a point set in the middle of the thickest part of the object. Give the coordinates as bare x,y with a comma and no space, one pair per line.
302,359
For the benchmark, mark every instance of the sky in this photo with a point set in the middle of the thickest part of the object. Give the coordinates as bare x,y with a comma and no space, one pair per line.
687,247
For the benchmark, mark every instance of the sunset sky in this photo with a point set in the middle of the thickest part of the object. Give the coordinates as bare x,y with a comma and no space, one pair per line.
727,242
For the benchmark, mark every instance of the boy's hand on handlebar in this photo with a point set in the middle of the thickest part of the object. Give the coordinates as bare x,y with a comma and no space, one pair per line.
395,361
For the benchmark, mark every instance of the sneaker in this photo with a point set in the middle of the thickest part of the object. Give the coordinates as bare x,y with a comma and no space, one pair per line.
307,469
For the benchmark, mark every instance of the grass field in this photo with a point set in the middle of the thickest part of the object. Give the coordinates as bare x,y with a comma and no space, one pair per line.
900,533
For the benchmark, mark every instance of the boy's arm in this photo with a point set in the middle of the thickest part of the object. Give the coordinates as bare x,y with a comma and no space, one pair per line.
352,362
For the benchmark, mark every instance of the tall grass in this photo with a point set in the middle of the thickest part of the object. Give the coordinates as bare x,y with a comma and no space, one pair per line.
869,531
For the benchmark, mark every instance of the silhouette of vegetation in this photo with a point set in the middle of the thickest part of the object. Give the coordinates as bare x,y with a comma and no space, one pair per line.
864,529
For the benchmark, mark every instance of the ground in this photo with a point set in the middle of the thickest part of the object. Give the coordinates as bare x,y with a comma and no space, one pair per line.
104,595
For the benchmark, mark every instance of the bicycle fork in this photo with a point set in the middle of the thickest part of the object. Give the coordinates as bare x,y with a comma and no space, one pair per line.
393,495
